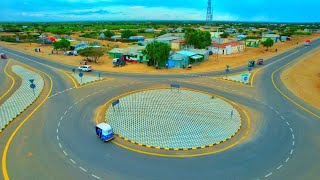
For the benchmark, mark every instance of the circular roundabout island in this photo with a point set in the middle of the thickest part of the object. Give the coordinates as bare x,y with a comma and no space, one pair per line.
173,119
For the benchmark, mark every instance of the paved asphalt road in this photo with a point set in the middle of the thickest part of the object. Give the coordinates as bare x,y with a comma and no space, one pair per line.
285,142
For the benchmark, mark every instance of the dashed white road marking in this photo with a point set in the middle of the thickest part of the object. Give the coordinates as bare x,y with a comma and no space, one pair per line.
65,153
58,123
287,159
268,175
282,117
291,129
82,169
66,112
57,130
292,143
292,136
279,167
57,137
277,112
288,123
291,151
72,161
61,118
60,145
270,107
97,177
70,107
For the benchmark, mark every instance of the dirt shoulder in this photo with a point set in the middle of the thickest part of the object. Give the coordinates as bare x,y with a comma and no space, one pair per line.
213,64
303,79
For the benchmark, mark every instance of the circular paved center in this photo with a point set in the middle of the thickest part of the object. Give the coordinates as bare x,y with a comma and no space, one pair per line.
173,119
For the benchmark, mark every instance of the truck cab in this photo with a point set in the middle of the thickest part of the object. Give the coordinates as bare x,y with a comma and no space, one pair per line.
104,131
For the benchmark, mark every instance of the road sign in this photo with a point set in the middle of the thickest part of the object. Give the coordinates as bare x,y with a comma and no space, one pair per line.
249,69
99,75
73,70
32,86
115,102
245,78
80,74
31,81
175,85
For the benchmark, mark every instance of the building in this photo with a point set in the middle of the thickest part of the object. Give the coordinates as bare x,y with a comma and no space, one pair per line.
241,37
149,31
178,61
283,38
177,44
201,52
274,37
252,42
220,40
136,38
132,51
179,30
184,58
102,36
228,48
215,34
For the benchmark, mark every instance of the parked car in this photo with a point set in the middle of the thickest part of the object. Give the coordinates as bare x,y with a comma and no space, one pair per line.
85,68
3,56
210,53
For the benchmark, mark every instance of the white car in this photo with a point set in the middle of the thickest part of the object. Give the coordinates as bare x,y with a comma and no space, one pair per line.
86,68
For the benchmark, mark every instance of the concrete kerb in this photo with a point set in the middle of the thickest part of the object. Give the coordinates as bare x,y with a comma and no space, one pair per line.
166,148
6,125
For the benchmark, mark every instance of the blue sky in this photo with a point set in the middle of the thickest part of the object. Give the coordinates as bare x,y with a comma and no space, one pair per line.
104,10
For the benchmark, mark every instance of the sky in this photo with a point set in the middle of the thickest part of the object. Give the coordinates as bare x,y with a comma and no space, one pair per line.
112,10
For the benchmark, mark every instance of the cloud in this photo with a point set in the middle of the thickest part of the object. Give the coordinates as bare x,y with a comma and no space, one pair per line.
84,13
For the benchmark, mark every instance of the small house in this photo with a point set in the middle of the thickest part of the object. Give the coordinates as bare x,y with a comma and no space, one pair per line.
102,36
201,52
117,52
283,38
228,48
178,61
177,44
136,38
274,37
241,37
179,30
220,40
252,42
149,31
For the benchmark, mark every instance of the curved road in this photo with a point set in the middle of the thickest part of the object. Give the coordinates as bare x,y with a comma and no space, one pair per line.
58,141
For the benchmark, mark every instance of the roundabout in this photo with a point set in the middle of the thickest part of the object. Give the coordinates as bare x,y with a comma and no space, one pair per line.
173,119
272,145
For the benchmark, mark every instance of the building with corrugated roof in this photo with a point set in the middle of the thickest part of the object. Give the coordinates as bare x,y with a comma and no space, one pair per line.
228,48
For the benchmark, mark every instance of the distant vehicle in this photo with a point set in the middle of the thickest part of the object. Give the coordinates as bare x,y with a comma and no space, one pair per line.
117,62
260,61
210,53
3,56
104,131
251,63
85,68
307,43
68,53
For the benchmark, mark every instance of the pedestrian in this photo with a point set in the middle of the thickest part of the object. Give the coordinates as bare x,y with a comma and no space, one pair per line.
167,65
39,50
51,51
85,62
276,50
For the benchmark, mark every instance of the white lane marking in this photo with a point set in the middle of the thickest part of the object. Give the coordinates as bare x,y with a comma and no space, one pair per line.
70,107
59,124
291,129
65,153
76,103
72,161
277,112
61,118
270,107
97,177
268,175
279,167
287,159
57,130
292,136
57,137
291,151
288,123
60,145
82,169
65,112
292,143
282,117
81,99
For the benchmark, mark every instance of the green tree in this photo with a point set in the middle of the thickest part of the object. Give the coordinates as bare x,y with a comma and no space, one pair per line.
198,39
224,35
157,53
56,45
240,30
268,43
93,53
64,44
162,32
109,34
127,33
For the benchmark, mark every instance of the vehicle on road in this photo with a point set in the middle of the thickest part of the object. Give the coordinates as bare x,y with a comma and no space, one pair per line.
104,131
260,61
3,56
85,68
251,63
307,43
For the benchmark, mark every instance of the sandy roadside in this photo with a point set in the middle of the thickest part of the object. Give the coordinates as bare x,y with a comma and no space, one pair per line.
303,79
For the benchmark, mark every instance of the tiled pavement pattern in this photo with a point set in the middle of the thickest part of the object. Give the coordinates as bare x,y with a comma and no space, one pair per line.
85,78
23,97
173,119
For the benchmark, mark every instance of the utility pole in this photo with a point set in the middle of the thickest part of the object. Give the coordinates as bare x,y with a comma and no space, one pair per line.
209,13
